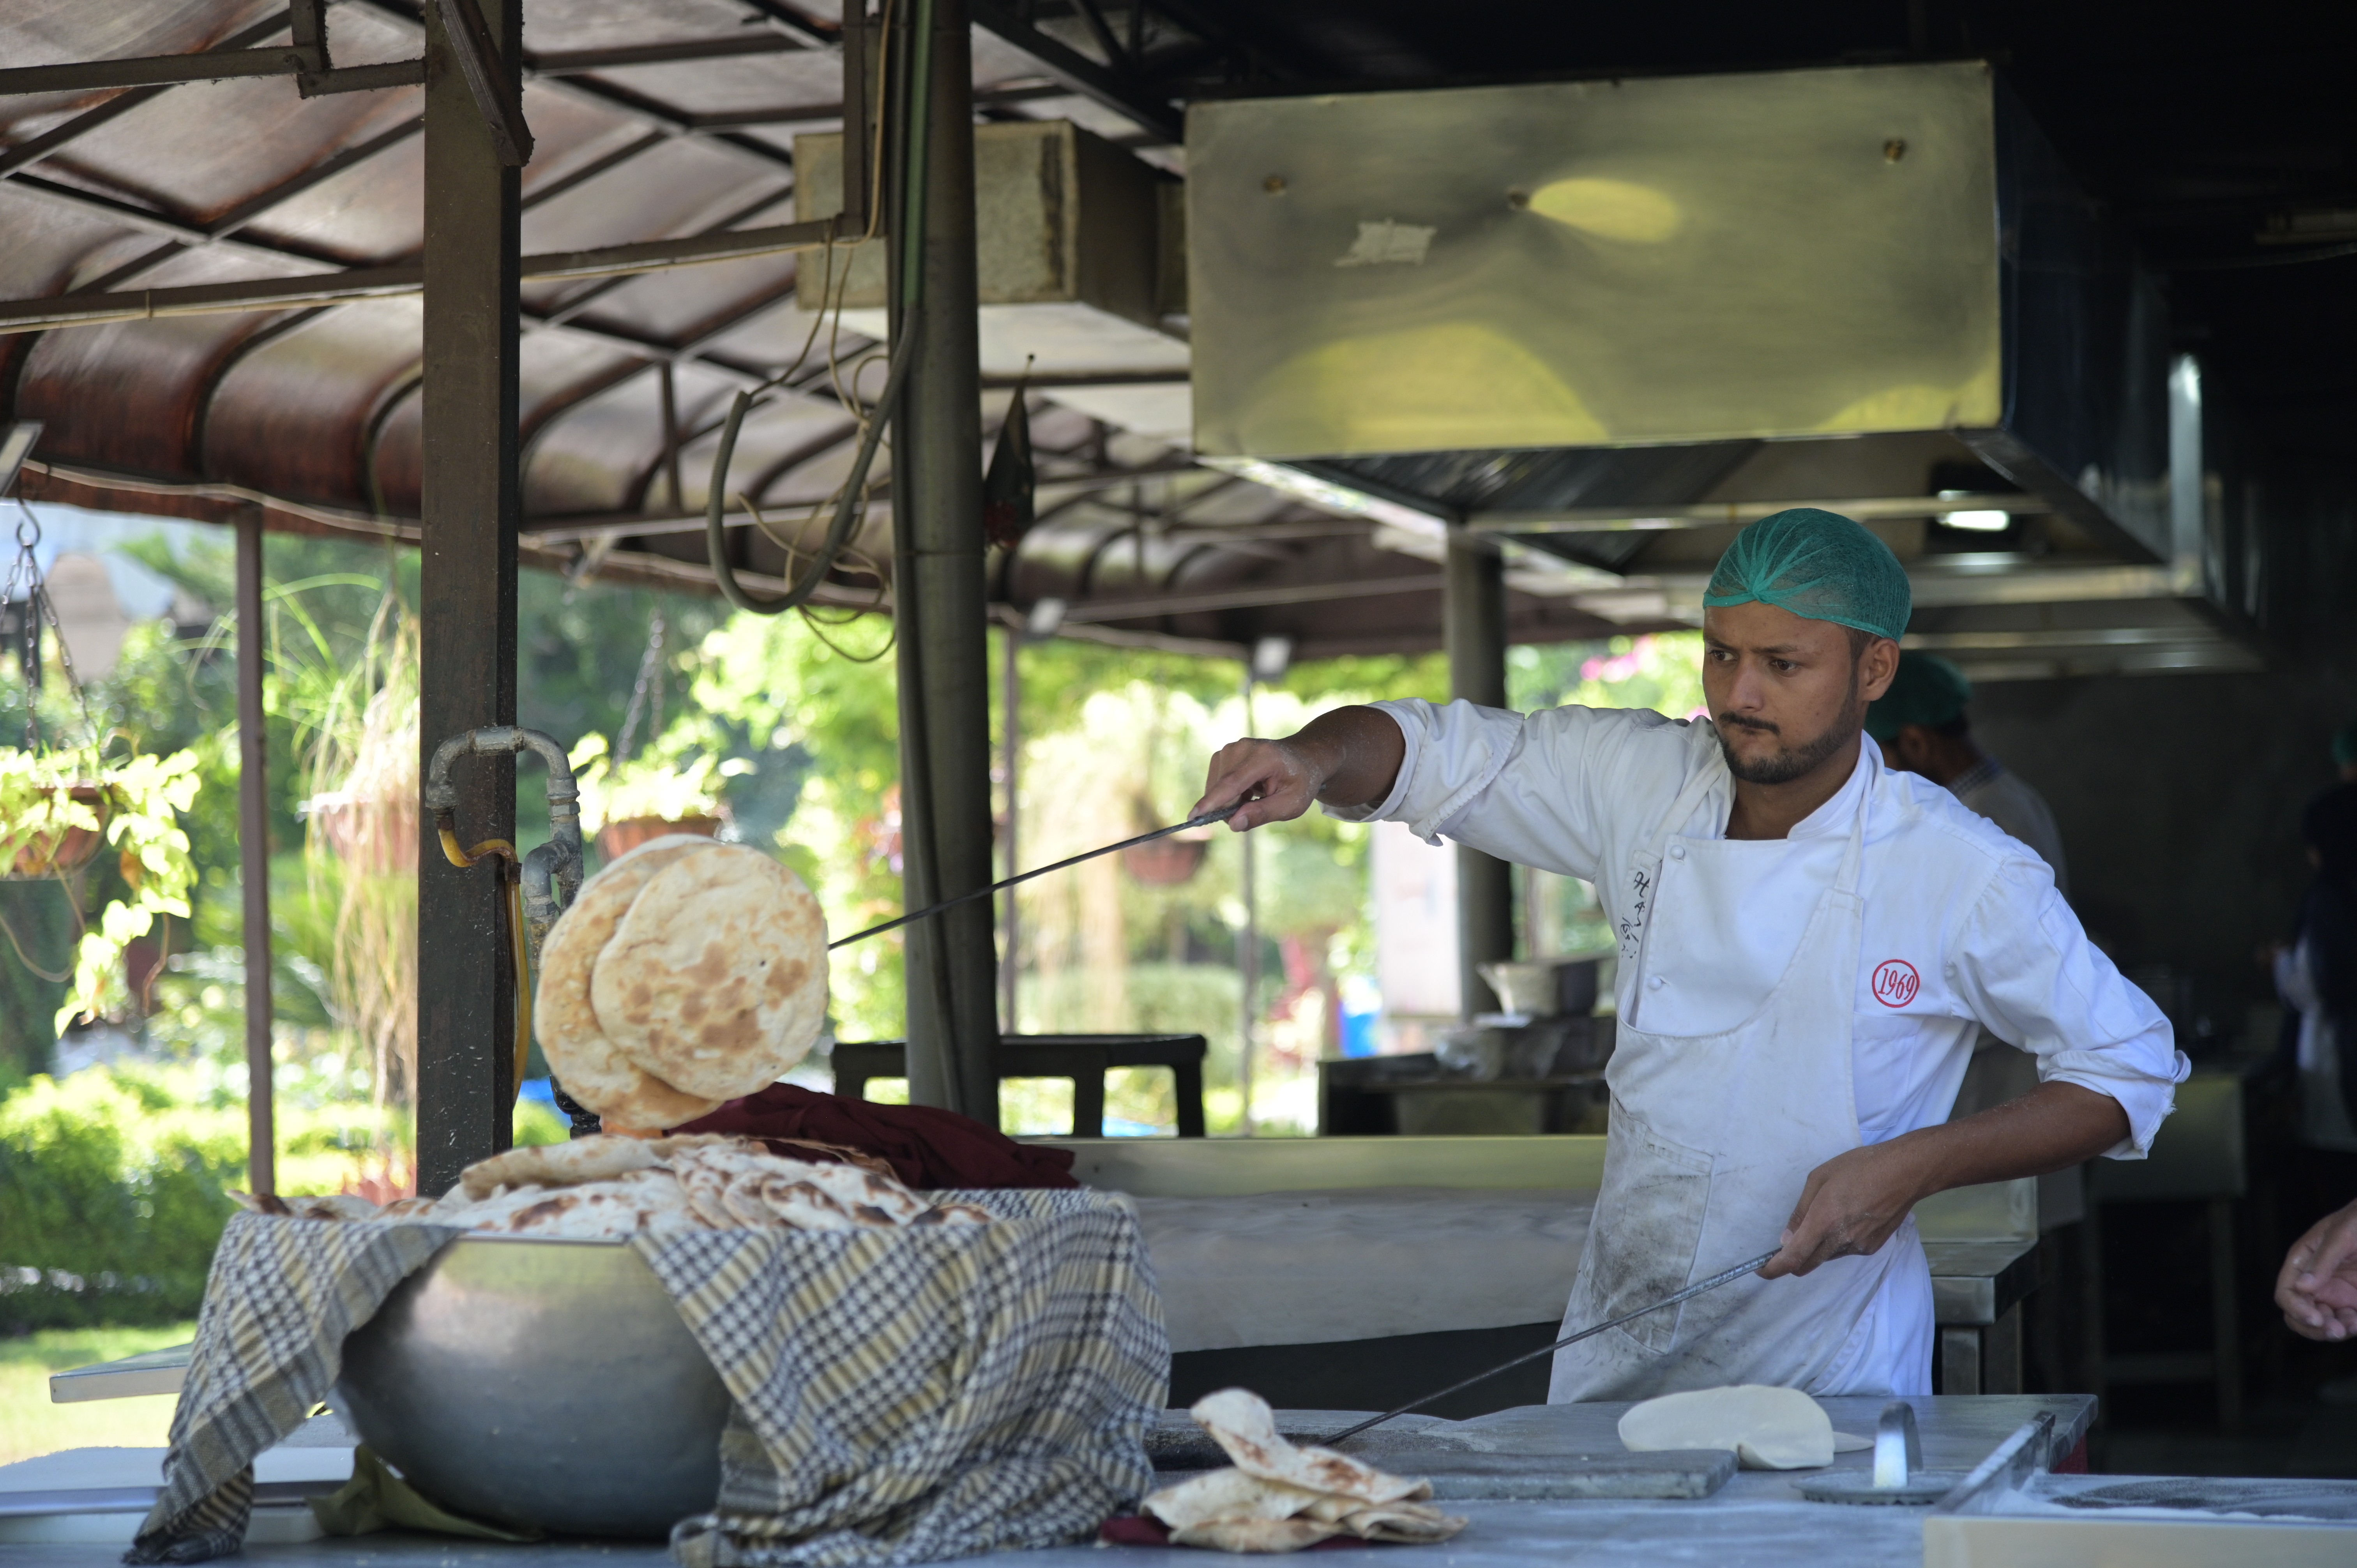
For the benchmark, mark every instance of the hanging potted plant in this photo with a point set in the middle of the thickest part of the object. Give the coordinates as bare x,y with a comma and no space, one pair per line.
1166,862
59,805
626,803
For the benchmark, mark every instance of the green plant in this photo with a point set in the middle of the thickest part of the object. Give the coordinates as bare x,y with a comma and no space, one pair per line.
111,1200
673,779
141,797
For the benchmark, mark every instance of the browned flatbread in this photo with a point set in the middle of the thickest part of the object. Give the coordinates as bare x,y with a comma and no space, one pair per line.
1241,1423
1242,1535
557,1165
588,1065
1227,1494
716,979
620,1207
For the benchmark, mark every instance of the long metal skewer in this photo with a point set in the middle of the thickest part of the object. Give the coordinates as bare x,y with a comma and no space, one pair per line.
1206,819
1723,1277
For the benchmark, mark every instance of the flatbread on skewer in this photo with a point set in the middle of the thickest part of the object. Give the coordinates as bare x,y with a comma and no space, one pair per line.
592,1068
716,979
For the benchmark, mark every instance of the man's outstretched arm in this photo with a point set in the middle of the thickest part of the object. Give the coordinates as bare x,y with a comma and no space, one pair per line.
1350,757
1853,1202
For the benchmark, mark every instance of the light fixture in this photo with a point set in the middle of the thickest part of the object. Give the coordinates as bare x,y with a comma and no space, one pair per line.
1046,619
1271,658
1981,519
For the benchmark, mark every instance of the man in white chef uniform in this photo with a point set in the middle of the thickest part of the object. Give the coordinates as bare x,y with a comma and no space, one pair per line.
1809,942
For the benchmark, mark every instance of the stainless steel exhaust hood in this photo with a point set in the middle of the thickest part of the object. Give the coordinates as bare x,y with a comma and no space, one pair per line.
1586,316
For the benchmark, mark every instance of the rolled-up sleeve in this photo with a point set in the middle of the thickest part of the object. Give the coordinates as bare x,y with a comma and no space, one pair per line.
2026,968
1453,754
1538,789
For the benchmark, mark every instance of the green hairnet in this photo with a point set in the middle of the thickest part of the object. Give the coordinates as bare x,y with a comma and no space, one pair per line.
2344,744
1817,564
1928,690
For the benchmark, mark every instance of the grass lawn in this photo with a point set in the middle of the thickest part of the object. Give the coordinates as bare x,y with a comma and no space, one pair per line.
30,1424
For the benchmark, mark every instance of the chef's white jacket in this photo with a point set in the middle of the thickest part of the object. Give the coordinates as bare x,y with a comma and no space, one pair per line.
1963,927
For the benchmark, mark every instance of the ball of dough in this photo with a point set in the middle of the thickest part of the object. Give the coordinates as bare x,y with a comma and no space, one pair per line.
1768,1428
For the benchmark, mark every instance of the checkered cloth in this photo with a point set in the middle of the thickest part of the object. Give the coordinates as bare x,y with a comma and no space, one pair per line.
911,1395
282,1296
900,1396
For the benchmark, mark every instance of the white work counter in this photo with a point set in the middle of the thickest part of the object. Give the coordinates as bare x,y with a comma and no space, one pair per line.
1755,1519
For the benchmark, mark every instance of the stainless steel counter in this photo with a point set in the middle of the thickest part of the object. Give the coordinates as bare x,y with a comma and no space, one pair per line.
1755,1519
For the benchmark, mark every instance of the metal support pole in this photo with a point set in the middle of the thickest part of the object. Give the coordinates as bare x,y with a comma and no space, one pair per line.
938,585
466,981
254,857
1011,721
1474,624
1248,952
669,382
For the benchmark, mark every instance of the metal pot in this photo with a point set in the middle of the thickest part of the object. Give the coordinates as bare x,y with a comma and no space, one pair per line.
534,1381
1546,989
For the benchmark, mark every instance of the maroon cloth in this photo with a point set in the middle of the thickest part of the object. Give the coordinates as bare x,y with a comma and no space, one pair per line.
926,1148
2075,1462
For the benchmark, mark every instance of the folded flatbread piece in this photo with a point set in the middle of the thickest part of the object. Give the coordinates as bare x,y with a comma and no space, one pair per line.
1280,1498
1241,1423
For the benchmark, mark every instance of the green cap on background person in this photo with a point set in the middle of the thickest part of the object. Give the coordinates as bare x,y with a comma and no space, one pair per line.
1927,691
1820,566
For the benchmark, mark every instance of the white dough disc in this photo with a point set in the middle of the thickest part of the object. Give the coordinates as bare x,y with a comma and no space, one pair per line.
1768,1428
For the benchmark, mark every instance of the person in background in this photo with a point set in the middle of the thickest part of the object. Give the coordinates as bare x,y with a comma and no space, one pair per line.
2317,975
2344,751
1921,727
2318,1287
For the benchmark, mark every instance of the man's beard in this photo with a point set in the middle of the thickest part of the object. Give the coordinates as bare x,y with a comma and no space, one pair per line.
1793,762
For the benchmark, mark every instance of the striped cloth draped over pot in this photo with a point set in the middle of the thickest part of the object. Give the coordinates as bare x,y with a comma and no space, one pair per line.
900,1396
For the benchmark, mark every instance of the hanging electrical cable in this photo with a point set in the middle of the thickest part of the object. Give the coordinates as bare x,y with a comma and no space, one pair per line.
850,502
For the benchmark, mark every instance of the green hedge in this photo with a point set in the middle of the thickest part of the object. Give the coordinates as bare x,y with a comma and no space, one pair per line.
111,1200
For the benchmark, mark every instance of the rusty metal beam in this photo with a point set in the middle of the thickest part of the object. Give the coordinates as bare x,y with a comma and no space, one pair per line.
492,79
465,985
207,65
572,62
665,117
24,154
378,282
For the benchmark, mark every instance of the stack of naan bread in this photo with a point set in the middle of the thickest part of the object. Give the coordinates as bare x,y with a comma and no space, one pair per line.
686,974
609,1188
1278,1498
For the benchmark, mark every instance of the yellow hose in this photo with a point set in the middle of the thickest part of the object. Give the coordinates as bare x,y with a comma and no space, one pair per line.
463,859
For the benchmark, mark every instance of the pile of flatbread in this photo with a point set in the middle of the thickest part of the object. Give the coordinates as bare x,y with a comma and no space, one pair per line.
609,1188
685,974
1278,1498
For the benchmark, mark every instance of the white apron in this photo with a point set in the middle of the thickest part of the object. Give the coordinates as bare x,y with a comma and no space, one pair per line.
1711,1139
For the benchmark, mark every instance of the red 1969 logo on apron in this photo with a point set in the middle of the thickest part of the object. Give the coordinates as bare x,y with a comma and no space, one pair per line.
1895,983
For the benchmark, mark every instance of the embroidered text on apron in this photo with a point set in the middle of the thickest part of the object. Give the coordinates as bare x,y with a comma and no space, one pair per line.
1711,1139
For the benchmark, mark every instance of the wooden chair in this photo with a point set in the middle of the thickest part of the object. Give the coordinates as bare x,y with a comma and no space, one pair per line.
1083,1058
